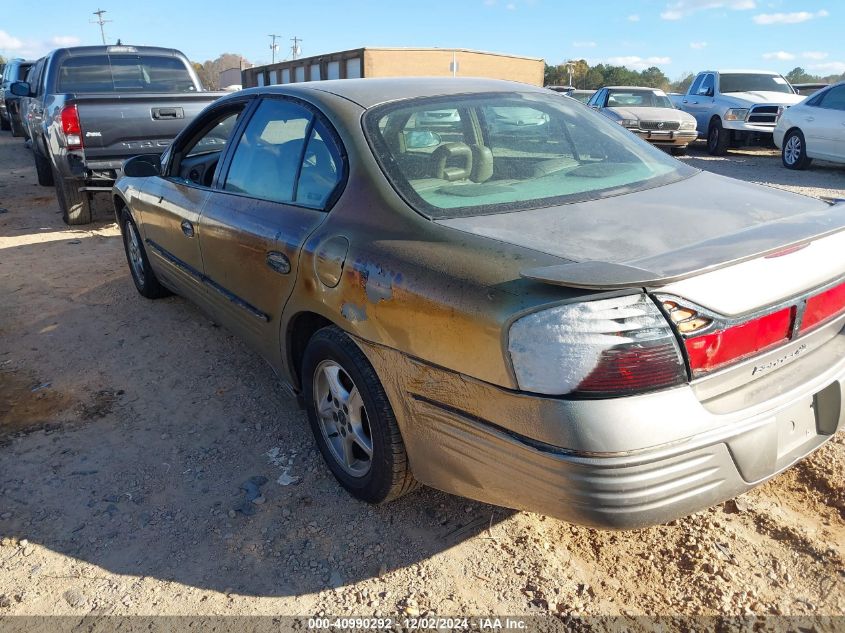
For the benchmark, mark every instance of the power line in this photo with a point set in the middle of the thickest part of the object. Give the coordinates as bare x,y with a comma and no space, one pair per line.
99,13
274,47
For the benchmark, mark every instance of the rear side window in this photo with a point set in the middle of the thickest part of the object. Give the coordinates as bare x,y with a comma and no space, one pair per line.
834,99
285,155
124,73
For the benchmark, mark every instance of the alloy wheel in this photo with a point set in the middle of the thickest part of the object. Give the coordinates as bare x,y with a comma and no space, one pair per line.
342,418
133,248
792,150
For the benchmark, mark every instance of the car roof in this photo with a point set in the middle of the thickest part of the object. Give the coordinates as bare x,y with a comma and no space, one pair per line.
735,71
632,88
374,91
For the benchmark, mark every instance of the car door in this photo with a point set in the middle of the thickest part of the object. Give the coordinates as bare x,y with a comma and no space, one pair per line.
699,102
827,125
169,206
275,189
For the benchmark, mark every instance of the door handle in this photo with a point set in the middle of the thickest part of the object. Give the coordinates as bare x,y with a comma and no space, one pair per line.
685,101
810,118
187,228
278,262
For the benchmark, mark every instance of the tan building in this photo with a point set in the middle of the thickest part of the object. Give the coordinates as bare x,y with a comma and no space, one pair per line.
398,62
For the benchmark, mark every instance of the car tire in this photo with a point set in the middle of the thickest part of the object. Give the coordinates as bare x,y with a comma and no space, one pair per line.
679,151
718,139
142,273
74,204
4,124
352,420
794,152
43,169
17,128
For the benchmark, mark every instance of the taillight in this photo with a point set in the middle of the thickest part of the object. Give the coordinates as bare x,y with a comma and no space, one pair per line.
712,350
606,348
71,128
823,307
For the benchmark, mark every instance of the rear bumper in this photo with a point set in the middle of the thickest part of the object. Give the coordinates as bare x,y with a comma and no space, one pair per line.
617,464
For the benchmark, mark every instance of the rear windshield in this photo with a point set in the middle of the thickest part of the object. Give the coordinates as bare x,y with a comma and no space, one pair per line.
124,73
748,82
495,153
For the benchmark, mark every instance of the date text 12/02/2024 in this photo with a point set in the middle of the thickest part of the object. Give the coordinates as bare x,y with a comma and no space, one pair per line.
457,624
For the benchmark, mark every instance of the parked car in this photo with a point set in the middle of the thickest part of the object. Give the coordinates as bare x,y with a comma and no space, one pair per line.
736,107
807,89
14,70
581,95
95,106
574,323
815,128
648,113
30,102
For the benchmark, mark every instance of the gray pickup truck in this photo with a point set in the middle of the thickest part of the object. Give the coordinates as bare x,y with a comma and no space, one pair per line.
90,108
733,108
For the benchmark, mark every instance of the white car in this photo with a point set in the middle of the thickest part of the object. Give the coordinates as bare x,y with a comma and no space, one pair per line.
814,128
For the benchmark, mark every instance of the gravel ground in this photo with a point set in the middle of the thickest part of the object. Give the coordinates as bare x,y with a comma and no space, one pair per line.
132,434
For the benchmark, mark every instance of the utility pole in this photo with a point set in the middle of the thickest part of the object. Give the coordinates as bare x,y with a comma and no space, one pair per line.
99,13
274,47
295,48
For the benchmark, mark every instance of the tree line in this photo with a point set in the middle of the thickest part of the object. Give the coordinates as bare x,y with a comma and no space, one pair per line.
589,77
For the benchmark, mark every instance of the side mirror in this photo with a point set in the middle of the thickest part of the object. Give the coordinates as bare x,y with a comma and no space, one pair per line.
142,166
20,89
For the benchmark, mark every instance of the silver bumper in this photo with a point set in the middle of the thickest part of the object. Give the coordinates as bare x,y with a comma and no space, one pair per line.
620,463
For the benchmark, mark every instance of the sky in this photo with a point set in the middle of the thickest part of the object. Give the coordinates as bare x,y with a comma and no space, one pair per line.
679,36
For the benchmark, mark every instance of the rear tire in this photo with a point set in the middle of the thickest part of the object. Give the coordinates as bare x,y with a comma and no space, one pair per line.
718,138
352,420
17,128
142,273
75,204
794,152
43,169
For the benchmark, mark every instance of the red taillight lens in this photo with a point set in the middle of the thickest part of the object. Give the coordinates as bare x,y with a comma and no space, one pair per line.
715,349
630,370
71,127
608,347
823,307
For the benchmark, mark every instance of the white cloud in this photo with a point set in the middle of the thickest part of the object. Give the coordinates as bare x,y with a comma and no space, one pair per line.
584,44
65,40
779,55
817,55
788,18
633,18
681,8
635,62
16,47
697,45
9,43
829,68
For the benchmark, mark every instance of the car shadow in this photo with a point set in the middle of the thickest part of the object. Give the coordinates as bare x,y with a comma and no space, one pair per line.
745,164
145,440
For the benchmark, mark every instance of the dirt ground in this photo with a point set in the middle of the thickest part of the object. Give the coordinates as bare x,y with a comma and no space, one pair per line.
128,427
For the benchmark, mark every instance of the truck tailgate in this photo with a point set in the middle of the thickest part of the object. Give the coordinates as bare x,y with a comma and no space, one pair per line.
122,125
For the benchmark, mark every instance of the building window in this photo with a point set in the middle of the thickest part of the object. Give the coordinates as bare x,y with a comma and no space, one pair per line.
273,78
260,78
315,72
353,68
299,73
285,75
333,70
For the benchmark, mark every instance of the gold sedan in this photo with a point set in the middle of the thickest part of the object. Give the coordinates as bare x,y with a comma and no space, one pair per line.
482,287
